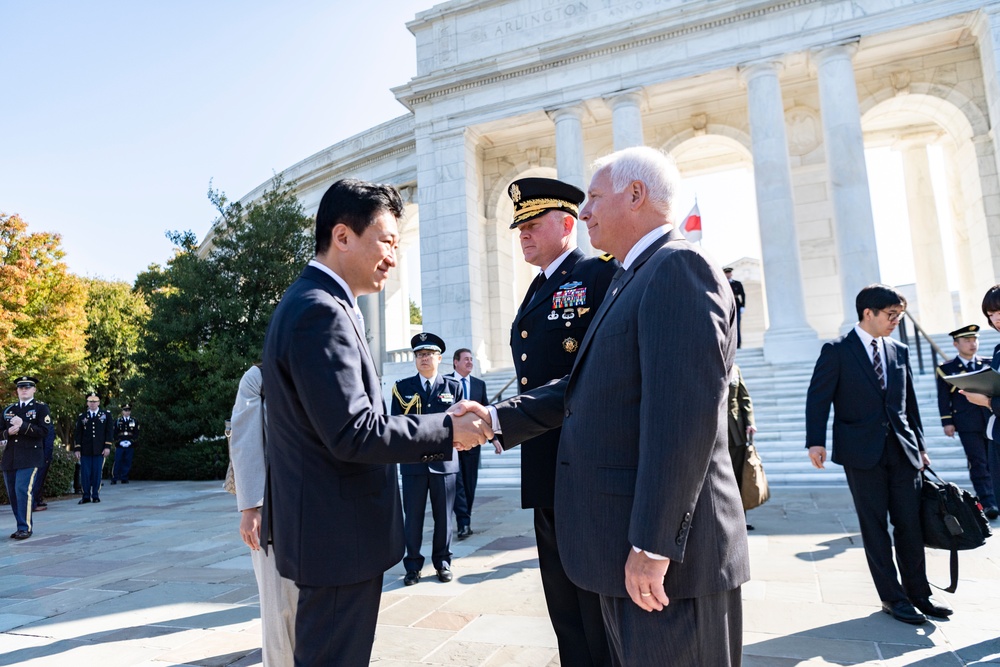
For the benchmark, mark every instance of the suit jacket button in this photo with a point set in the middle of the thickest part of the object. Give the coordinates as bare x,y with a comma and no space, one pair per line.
679,540
524,381
524,357
687,517
568,412
524,334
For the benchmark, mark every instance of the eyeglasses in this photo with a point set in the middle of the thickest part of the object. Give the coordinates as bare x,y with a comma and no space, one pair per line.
423,354
894,317
93,401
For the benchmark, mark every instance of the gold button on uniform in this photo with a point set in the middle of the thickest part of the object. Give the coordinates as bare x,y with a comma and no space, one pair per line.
523,357
524,334
524,381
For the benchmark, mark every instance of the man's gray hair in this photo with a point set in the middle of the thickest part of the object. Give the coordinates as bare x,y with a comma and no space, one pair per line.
641,163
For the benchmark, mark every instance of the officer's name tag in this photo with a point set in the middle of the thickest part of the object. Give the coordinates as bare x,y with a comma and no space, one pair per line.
446,398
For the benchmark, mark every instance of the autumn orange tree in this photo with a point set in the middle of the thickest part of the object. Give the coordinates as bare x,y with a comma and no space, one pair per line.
42,319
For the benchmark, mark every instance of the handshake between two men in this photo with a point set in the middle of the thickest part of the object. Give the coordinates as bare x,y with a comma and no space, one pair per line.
471,426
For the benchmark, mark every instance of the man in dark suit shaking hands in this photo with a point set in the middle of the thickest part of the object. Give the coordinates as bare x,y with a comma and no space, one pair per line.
474,389
649,514
331,503
879,439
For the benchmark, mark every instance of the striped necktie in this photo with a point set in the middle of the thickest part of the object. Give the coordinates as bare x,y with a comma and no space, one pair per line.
877,362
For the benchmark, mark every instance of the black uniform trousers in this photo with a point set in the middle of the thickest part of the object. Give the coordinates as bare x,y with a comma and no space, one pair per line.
575,613
976,452
465,488
442,492
891,487
337,621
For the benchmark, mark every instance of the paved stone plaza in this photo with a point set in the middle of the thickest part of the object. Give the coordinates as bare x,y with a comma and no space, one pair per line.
156,575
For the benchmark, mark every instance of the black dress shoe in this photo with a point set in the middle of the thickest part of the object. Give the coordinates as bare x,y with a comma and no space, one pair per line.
113,482
43,504
932,607
411,578
444,574
13,535
22,534
901,610
991,512
464,532
40,508
97,500
83,501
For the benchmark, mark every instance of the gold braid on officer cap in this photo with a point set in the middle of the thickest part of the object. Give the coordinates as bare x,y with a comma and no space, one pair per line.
533,206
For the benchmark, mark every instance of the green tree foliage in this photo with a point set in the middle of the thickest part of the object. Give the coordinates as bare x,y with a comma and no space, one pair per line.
416,317
116,318
209,310
42,319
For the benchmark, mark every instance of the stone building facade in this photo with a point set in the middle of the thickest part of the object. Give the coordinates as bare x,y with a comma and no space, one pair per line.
794,90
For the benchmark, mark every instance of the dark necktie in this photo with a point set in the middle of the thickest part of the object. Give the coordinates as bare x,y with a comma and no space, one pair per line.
877,363
535,285
427,388
972,365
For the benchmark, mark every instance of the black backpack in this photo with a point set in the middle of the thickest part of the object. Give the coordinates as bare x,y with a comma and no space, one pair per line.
951,519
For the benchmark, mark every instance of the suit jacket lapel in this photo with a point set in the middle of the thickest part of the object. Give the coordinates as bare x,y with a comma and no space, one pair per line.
340,296
616,290
861,354
890,361
542,294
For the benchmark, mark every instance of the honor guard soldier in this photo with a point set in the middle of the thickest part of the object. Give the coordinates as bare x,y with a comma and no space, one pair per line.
960,416
550,324
126,435
26,424
92,439
425,393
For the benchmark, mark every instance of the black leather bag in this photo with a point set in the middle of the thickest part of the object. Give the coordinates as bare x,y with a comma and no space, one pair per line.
951,519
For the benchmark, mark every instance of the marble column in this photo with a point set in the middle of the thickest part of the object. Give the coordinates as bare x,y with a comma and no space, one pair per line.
451,238
570,161
936,314
789,336
373,309
986,28
857,254
626,118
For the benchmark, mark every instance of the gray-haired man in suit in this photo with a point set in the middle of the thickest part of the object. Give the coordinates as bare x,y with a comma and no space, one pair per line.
651,518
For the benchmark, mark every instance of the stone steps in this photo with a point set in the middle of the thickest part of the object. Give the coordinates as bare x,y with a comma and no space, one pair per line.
779,394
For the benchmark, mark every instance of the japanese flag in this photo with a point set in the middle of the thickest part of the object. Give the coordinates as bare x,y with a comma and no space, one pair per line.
692,225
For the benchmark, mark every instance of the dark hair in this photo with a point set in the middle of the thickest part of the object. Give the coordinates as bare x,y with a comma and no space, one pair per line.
878,297
991,302
354,203
458,353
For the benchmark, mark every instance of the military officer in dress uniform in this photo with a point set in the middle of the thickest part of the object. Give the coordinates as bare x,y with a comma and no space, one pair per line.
126,435
426,393
26,424
92,439
968,420
544,337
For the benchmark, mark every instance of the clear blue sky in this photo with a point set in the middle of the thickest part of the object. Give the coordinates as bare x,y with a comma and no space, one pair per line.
117,114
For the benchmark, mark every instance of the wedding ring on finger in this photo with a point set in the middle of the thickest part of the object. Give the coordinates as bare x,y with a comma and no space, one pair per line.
645,595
